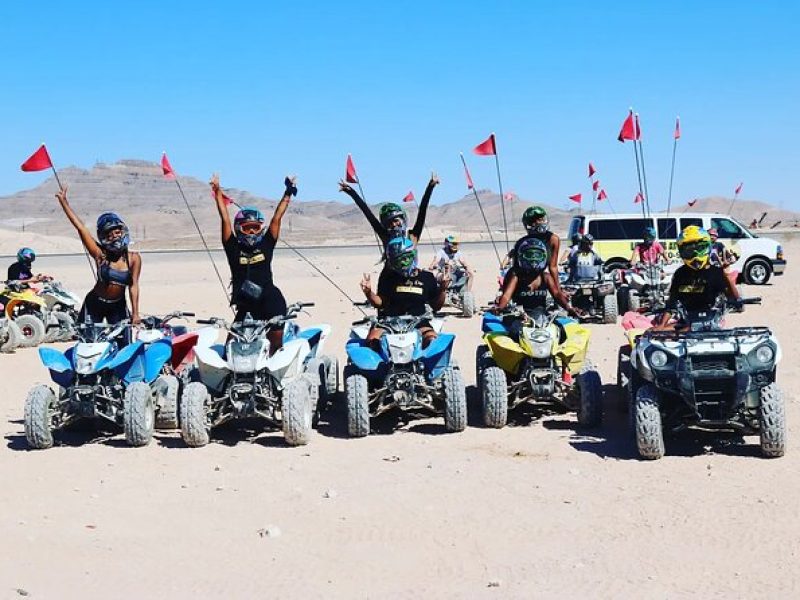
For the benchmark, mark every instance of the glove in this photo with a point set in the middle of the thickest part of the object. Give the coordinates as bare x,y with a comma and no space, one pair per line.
291,188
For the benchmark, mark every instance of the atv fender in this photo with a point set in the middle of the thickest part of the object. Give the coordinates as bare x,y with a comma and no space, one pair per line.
572,350
287,362
54,360
436,357
363,357
156,356
315,336
128,363
506,352
211,356
493,324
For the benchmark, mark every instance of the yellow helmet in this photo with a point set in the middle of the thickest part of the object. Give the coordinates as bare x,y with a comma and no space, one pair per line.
694,247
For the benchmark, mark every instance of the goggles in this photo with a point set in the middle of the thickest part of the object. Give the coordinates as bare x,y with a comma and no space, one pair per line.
694,249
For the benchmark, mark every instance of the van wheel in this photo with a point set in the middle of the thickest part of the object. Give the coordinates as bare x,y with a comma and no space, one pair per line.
757,271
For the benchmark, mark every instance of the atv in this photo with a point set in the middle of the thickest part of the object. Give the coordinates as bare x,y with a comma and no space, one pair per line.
27,309
703,375
538,358
595,297
645,287
62,311
241,380
10,335
402,376
458,294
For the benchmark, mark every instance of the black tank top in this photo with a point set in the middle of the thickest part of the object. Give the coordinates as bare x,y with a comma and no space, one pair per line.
254,263
527,298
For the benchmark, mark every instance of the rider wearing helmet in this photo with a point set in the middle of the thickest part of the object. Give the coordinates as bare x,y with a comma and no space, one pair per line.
537,224
585,264
404,289
22,269
249,245
649,251
118,268
697,284
450,259
393,221
529,280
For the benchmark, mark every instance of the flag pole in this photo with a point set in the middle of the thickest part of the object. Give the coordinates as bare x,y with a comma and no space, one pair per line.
483,214
203,239
672,168
500,185
85,251
641,154
735,196
639,176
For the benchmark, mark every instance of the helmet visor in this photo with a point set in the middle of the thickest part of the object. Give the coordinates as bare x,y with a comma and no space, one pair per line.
694,249
250,227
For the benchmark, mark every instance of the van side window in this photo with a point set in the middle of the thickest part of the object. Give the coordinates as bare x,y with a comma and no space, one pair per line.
667,229
575,226
618,229
686,221
726,228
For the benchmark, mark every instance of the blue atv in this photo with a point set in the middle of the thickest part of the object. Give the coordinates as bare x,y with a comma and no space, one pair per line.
99,378
403,376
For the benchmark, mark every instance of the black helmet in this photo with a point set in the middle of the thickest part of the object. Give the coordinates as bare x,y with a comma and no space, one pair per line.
534,219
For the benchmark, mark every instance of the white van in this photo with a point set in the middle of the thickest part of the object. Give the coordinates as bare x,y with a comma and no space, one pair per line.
615,236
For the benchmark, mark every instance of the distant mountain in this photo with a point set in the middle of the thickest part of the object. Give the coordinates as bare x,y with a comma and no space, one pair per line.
158,217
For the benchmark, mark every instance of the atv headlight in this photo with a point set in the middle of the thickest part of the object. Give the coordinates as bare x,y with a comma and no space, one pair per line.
659,359
764,354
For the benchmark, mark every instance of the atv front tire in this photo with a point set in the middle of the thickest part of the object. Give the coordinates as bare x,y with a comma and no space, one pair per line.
610,310
634,301
494,394
590,410
139,415
297,411
647,420
357,391
12,339
194,429
772,421
166,389
455,400
38,424
467,304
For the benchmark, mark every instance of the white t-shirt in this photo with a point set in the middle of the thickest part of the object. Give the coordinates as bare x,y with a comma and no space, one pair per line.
442,258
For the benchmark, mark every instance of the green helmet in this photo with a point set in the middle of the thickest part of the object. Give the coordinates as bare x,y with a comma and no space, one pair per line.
390,211
534,219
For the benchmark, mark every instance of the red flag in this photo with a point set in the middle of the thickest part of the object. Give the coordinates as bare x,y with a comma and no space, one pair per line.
738,189
508,196
576,198
638,128
228,200
602,195
596,185
639,198
487,148
38,161
470,185
166,167
409,197
692,202
628,131
350,171
677,134
592,170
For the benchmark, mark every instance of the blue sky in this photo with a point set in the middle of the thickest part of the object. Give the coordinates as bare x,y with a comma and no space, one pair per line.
256,91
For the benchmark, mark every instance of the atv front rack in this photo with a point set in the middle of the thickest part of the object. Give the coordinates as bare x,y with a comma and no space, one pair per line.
674,335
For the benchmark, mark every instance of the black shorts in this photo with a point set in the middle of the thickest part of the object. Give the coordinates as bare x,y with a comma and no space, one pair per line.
271,304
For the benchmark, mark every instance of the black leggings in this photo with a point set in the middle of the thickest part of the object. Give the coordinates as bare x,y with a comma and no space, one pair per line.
98,309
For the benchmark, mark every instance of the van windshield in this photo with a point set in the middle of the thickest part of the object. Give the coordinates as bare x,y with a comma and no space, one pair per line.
728,229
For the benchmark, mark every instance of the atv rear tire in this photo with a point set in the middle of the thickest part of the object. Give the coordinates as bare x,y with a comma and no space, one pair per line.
647,420
634,301
481,358
331,376
610,309
590,410
623,377
38,424
166,390
194,428
32,329
315,373
467,304
357,390
622,300
494,394
296,411
772,421
12,339
455,400
139,415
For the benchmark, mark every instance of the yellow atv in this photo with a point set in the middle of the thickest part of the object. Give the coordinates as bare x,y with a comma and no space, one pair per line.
538,358
27,310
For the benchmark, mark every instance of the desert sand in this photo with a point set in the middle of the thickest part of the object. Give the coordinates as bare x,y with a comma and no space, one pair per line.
537,509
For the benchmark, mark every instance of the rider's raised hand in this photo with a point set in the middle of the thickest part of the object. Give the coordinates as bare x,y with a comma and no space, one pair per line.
214,183
434,179
61,194
366,284
344,186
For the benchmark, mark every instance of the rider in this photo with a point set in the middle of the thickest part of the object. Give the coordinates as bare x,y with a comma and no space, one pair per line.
117,267
529,281
720,255
249,246
449,258
393,221
536,223
568,252
21,270
585,264
698,283
649,251
404,289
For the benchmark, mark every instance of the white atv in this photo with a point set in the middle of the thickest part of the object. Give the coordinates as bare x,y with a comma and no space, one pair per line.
708,377
241,380
645,287
62,312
